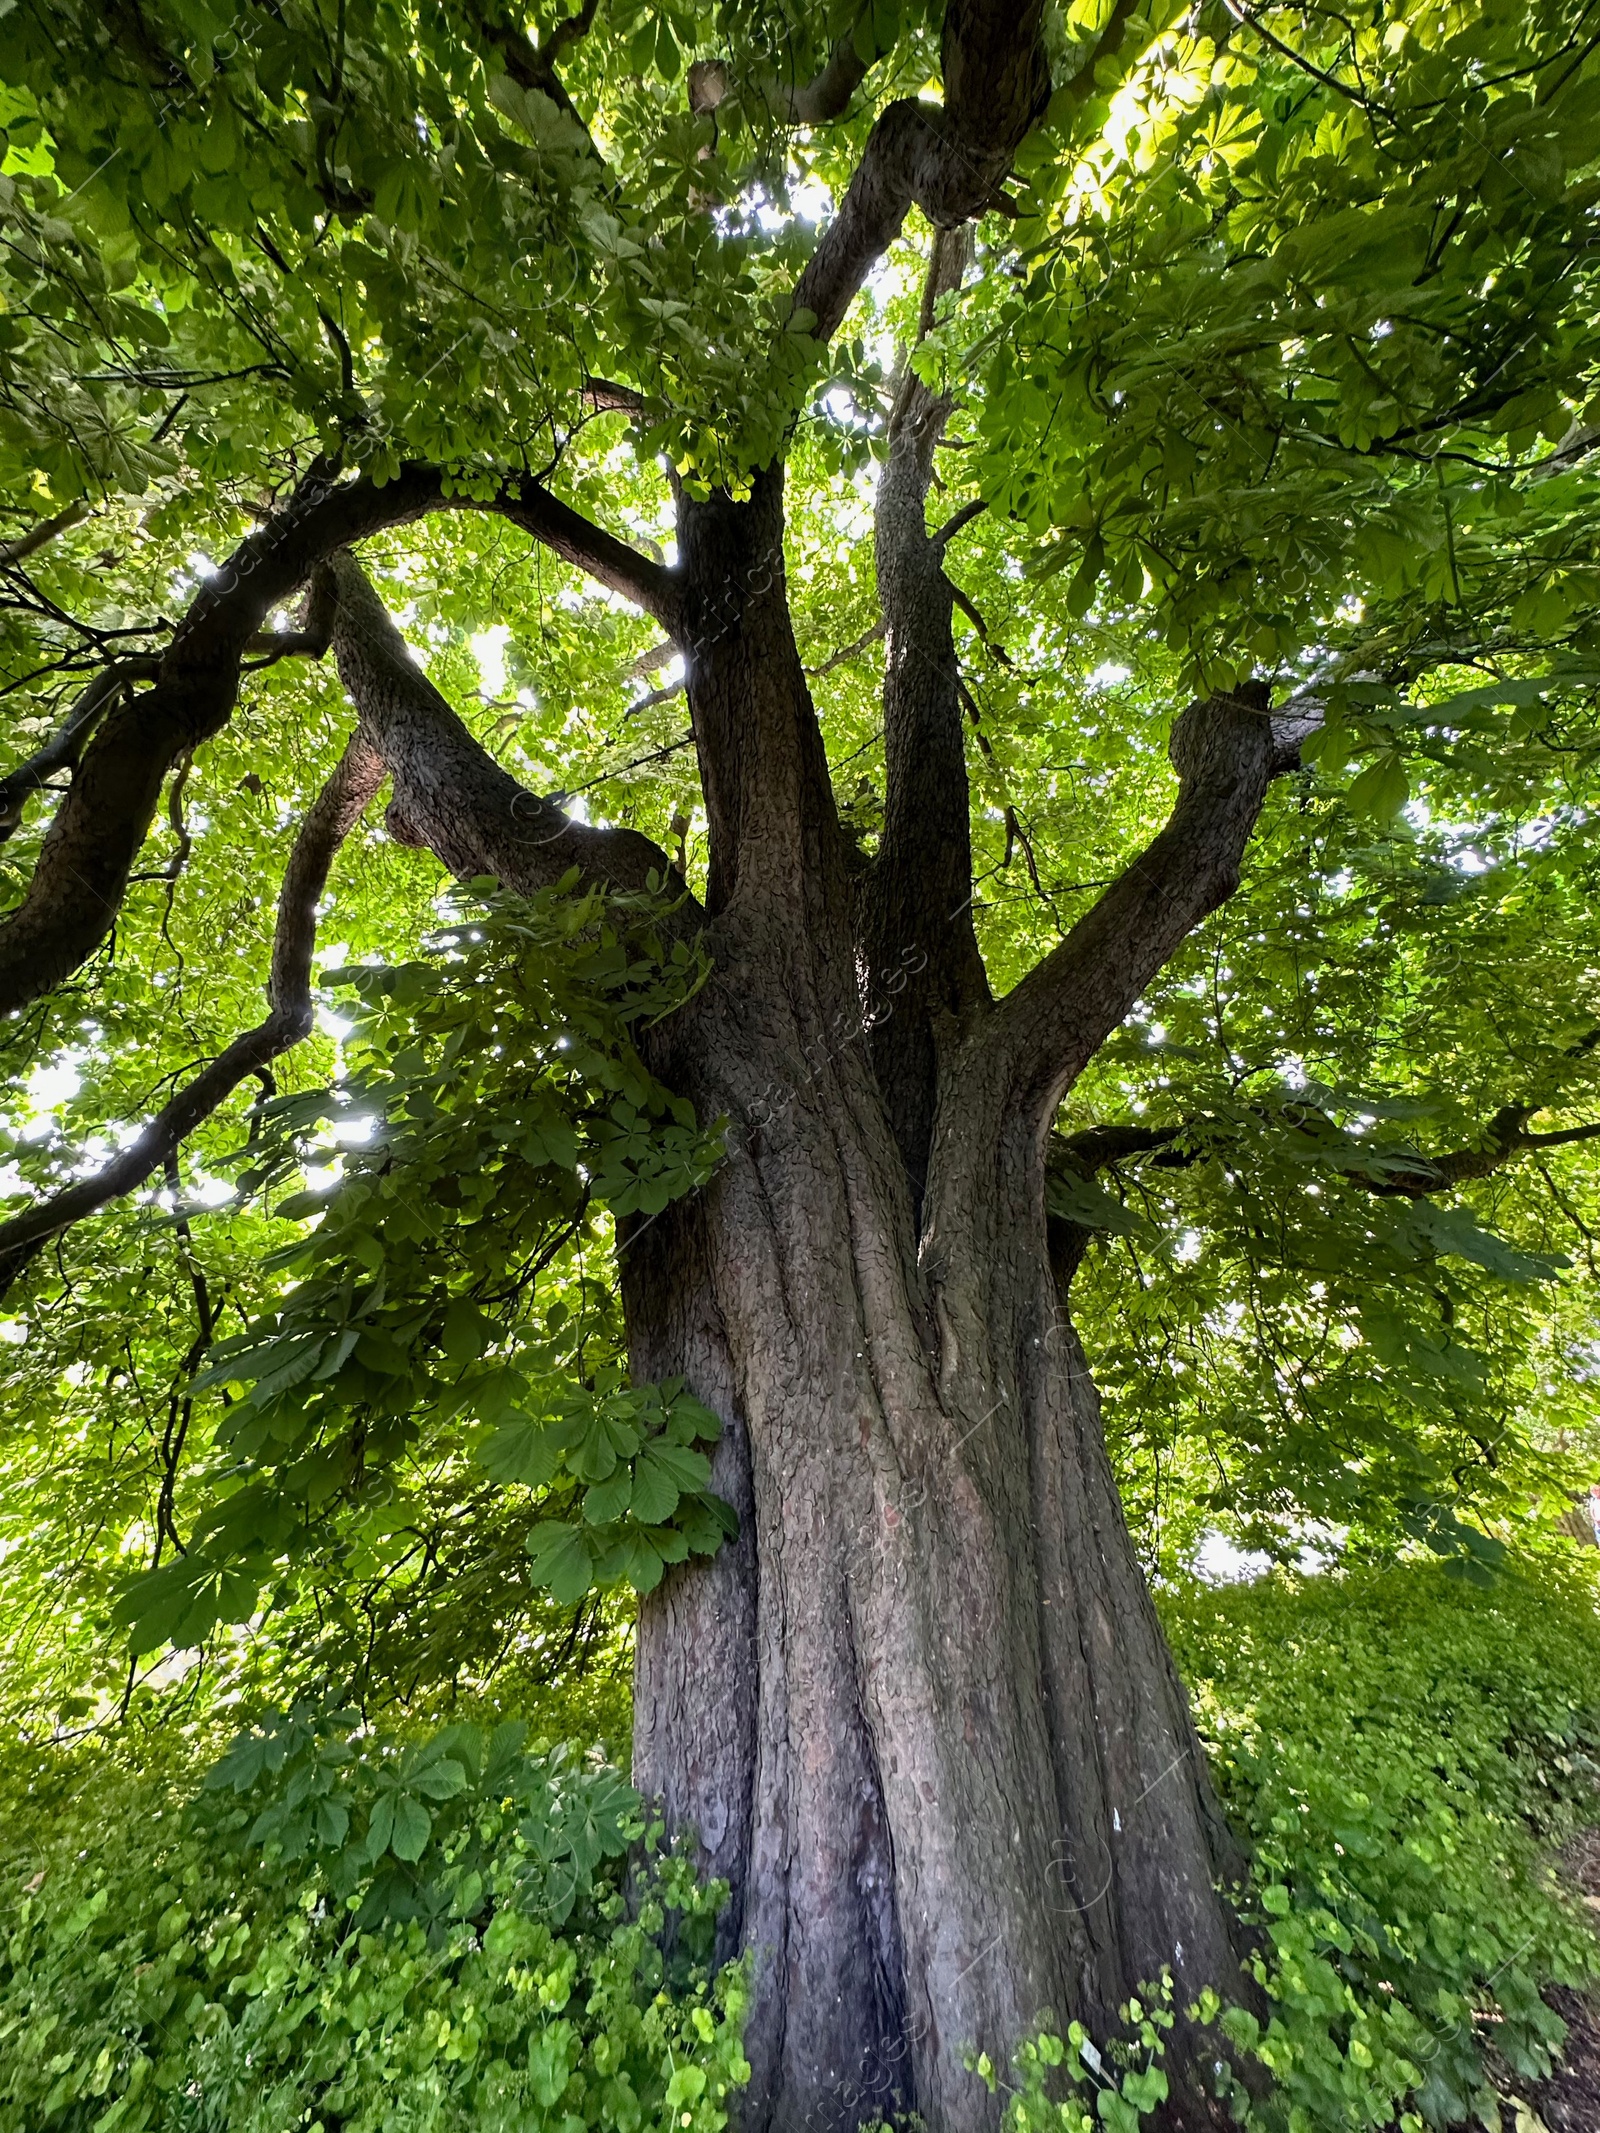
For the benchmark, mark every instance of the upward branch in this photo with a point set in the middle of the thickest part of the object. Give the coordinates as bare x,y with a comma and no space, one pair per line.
450,795
949,159
66,745
918,897
533,66
1226,750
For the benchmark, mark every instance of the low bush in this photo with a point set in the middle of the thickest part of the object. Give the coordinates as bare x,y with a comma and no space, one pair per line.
350,1932
342,1932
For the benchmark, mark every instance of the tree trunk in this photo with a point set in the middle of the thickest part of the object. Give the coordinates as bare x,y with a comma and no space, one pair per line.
920,1714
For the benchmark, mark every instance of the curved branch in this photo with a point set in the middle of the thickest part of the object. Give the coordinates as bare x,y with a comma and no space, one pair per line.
329,821
827,95
450,795
90,847
89,850
1506,1138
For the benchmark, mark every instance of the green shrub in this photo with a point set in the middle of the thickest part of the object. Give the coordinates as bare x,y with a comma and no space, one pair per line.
346,1934
1402,1751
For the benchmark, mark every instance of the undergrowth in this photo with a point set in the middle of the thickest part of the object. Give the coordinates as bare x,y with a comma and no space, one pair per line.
1403,1752
338,1930
348,1933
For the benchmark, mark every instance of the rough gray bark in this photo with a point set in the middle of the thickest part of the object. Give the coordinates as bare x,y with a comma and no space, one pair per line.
926,1724
920,1713
448,794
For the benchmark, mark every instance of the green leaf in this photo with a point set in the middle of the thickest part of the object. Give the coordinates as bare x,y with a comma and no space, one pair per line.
1452,1230
466,1333
559,1558
661,1473
550,2061
1090,1206
1382,788
1080,593
412,1827
520,1452
608,1500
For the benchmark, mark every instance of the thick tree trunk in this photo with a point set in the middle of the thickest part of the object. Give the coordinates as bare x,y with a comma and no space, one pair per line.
921,1714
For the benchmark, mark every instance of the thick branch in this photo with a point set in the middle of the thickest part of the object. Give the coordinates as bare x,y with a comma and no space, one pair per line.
450,795
827,95
607,397
66,744
1226,751
1506,1138
918,902
1387,1172
964,517
332,815
1099,1147
534,66
951,159
590,548
83,869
